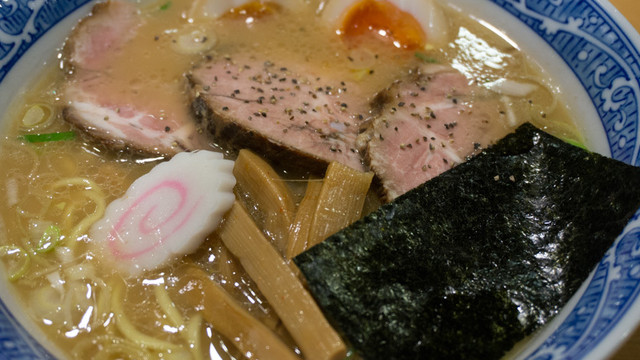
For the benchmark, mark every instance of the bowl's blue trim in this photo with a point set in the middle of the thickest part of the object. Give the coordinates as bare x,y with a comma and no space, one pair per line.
614,288
23,22
605,61
15,342
602,57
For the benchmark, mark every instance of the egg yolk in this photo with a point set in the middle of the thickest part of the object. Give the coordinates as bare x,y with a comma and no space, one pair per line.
383,20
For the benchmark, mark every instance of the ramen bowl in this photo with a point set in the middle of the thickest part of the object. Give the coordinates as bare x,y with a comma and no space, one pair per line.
585,45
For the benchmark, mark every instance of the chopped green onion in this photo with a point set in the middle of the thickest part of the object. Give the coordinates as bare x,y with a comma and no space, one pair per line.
576,143
359,74
49,240
59,136
38,114
165,6
24,260
425,58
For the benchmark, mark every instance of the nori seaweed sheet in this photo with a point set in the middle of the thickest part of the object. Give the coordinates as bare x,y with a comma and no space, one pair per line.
476,259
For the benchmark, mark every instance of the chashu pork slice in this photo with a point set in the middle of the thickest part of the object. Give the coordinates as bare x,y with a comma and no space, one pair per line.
110,97
285,111
428,122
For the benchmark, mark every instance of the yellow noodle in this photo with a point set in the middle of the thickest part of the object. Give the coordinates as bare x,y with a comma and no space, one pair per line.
67,217
86,348
169,308
179,354
22,235
76,305
546,87
25,262
128,329
66,305
47,264
84,275
103,302
30,150
193,337
88,184
95,194
101,308
280,286
115,350
82,346
83,226
33,204
191,331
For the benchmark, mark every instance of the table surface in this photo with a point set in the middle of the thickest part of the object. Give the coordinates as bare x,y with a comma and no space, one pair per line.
631,349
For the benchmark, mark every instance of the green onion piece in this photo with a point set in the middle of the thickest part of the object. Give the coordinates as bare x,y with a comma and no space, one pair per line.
575,143
425,58
49,240
38,114
59,136
359,74
165,6
20,257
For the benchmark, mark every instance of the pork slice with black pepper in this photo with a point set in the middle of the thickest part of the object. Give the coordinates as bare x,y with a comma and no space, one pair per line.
429,122
108,95
284,111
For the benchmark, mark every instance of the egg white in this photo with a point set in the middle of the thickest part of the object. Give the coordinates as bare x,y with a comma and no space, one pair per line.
216,8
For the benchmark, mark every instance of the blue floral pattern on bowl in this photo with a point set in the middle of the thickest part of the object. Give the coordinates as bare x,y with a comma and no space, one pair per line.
602,57
605,61
23,22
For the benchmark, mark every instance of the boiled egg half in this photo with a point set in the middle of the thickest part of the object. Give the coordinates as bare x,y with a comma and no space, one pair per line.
407,24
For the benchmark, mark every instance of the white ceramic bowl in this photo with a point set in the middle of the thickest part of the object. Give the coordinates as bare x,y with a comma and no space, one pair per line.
586,45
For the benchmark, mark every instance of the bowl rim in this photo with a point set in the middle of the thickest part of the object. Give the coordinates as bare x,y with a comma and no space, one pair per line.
31,57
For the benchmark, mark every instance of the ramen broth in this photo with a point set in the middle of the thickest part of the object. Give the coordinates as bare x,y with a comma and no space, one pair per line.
60,186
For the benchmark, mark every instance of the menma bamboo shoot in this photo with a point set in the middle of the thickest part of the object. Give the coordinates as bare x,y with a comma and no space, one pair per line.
280,286
338,204
257,180
228,317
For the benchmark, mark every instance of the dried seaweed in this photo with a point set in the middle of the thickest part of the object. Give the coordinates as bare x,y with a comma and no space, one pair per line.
473,261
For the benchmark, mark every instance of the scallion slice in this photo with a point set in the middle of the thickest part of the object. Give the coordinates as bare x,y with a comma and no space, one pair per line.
425,58
58,136
49,240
